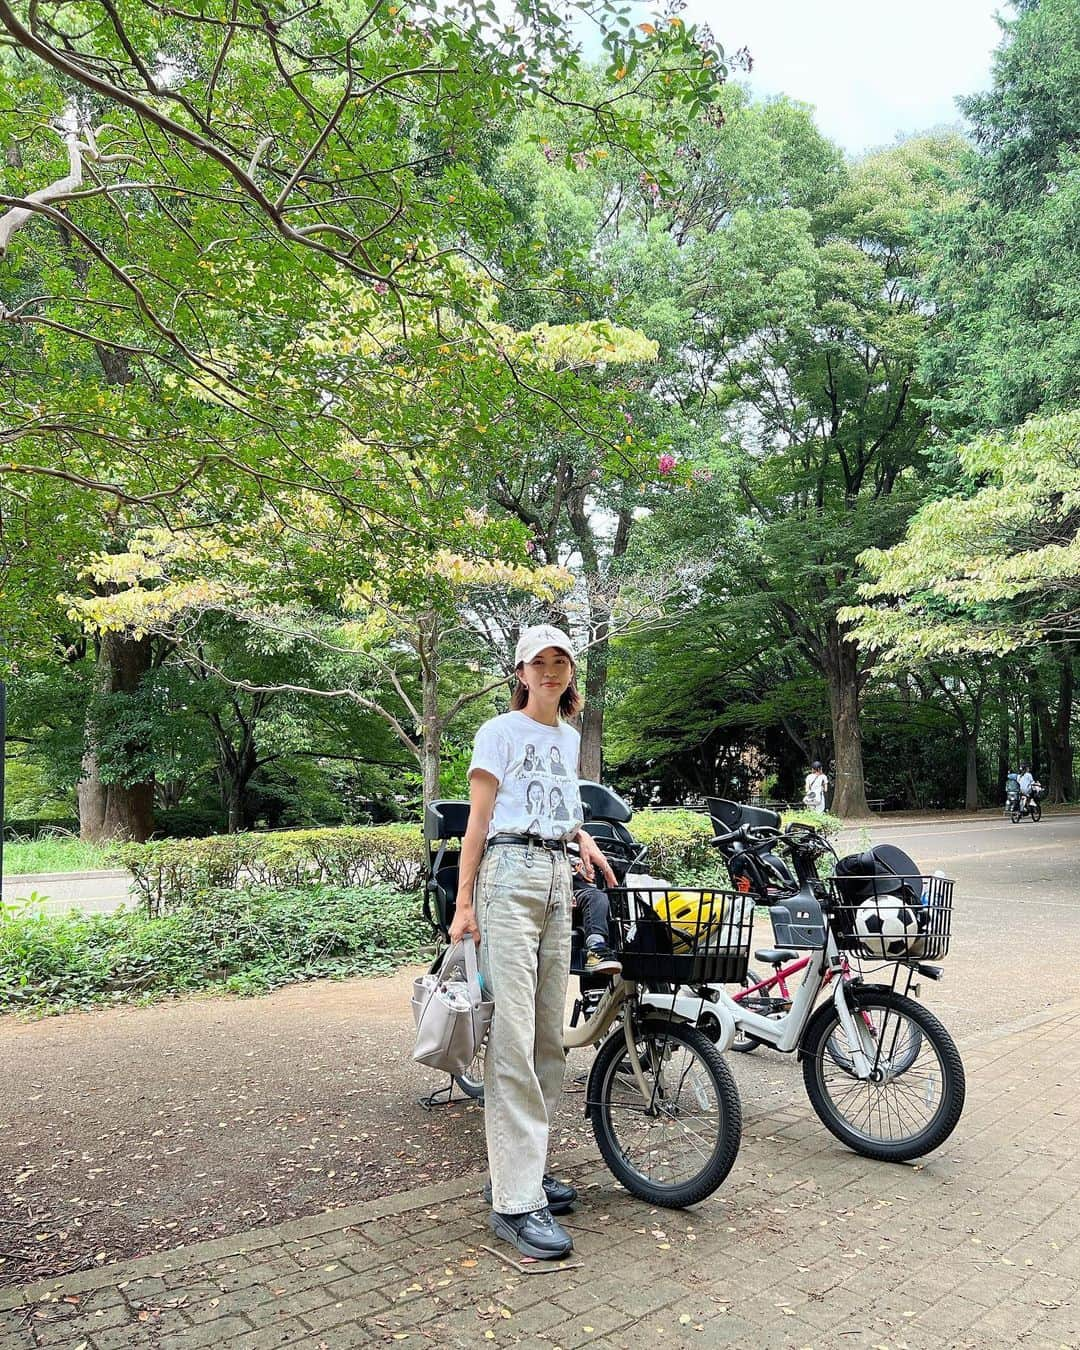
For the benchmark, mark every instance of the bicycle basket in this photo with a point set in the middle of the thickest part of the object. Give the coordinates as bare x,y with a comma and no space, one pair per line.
891,918
682,935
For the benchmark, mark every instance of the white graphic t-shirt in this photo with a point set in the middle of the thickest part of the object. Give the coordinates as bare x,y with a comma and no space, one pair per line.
537,769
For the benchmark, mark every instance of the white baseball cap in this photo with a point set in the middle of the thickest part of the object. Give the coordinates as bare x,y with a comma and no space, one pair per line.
539,636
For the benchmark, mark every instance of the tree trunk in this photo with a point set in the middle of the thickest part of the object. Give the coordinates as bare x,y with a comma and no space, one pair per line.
235,770
1063,728
90,792
1036,747
592,722
1003,735
234,806
115,810
431,740
1056,735
971,779
1021,733
431,762
842,678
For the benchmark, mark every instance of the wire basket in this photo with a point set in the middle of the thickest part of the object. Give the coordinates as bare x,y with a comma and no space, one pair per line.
682,935
891,918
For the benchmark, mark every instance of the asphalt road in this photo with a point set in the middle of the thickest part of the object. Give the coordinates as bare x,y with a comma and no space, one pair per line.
92,892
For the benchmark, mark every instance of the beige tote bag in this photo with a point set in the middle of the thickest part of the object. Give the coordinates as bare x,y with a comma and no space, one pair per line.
451,1014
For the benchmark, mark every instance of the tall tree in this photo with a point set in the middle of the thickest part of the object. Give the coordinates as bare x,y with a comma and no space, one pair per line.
256,224
811,328
1008,269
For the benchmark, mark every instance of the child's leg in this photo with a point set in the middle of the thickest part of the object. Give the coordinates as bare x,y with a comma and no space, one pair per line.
595,909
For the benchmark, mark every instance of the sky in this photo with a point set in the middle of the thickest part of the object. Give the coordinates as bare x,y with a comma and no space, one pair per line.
871,68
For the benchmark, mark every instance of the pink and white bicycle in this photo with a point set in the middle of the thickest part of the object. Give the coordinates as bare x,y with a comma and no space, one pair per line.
882,1073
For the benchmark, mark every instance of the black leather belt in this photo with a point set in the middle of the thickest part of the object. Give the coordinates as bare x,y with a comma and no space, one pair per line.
536,840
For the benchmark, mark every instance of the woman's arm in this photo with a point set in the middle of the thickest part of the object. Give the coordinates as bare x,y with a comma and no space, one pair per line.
482,789
592,857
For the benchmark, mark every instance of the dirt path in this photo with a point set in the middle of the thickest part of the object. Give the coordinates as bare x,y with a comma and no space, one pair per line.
126,1131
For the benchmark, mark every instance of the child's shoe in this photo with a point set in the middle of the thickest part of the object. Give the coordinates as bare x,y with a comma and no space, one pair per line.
602,961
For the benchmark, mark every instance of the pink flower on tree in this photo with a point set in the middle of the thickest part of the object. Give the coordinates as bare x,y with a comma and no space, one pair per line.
667,464
381,288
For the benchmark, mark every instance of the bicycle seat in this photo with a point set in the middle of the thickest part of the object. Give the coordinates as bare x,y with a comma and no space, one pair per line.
775,956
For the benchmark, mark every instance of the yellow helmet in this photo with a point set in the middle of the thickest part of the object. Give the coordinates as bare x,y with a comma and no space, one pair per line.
693,913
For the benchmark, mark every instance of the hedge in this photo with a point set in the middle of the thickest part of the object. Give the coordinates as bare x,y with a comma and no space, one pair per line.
173,872
235,941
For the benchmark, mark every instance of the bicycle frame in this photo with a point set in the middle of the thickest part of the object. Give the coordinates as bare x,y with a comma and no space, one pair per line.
623,993
781,976
784,1032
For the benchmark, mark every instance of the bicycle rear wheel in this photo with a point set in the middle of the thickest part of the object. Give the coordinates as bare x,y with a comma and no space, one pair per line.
676,1148
917,1096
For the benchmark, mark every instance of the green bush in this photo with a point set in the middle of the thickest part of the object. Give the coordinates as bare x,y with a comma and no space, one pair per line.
238,941
172,872
820,820
678,841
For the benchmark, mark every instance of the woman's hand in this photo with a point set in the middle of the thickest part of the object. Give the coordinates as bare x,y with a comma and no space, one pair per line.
592,857
464,923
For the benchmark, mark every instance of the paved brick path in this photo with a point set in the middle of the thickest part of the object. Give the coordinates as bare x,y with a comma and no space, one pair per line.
805,1245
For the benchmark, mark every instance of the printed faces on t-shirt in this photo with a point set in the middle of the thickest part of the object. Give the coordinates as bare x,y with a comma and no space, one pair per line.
547,785
537,771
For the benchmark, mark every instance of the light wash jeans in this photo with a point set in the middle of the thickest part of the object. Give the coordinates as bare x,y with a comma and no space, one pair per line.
523,908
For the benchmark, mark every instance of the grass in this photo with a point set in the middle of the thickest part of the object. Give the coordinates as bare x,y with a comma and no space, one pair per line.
52,853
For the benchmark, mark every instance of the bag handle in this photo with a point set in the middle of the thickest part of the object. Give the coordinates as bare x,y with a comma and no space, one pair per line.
467,949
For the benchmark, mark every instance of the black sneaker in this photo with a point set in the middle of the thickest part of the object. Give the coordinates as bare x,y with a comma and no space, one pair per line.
602,961
536,1234
560,1195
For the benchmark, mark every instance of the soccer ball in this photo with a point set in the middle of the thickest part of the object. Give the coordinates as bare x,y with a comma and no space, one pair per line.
892,927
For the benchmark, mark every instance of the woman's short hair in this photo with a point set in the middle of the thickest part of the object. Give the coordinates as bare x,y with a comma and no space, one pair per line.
569,704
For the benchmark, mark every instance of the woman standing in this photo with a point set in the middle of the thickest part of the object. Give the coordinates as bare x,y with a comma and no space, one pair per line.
514,897
815,787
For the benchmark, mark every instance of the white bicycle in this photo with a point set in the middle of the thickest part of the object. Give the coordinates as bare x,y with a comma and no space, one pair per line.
882,1073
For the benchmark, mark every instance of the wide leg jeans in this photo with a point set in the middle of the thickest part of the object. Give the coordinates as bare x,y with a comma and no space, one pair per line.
523,898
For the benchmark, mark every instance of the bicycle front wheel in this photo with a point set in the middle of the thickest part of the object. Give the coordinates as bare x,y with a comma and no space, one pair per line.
676,1147
916,1097
1036,812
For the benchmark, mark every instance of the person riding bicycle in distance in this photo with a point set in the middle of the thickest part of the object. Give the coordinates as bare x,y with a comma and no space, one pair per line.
514,899
1025,783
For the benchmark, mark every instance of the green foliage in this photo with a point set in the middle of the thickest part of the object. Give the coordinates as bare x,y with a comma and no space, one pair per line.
52,854
678,841
1008,270
174,872
989,571
232,941
827,824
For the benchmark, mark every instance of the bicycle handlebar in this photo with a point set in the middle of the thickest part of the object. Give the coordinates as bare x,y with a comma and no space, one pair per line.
744,834
754,837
